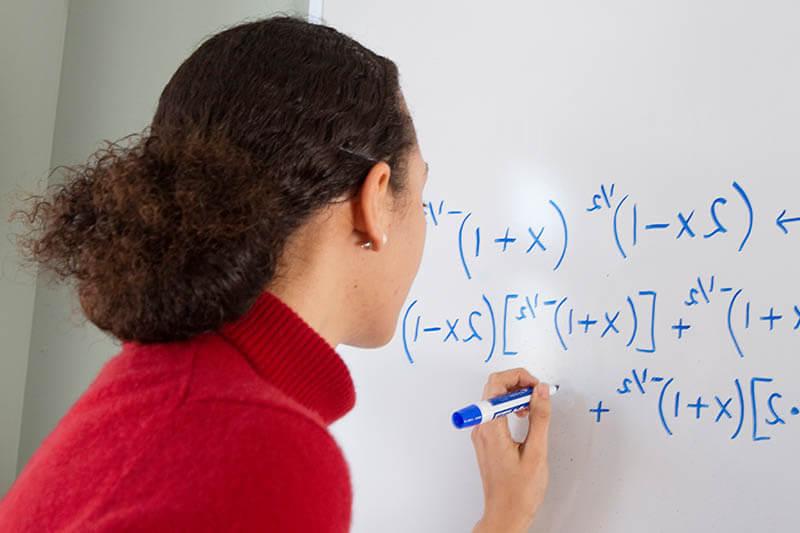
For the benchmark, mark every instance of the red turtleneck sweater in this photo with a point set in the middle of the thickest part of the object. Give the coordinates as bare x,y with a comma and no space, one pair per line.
225,432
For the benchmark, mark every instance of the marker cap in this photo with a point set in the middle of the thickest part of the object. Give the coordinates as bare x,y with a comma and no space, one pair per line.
468,416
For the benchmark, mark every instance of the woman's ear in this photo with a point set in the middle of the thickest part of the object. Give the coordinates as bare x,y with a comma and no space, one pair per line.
371,208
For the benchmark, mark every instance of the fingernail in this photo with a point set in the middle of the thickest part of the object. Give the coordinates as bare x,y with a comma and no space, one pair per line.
544,391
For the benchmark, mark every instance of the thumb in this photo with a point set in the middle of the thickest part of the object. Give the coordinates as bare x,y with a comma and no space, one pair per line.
535,446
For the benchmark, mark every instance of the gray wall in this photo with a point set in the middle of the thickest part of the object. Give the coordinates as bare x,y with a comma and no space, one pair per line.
31,45
117,57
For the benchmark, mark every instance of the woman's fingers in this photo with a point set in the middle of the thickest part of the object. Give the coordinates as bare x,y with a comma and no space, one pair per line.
534,449
507,380
497,384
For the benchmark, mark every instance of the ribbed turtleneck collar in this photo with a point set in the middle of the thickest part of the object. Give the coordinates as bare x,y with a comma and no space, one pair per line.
293,357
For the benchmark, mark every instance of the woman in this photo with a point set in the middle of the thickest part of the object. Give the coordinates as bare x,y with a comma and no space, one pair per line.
272,211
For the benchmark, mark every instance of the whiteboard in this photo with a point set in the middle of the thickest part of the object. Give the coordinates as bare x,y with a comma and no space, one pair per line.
612,203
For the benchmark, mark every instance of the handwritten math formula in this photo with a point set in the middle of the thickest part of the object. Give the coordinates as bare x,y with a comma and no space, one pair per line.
647,321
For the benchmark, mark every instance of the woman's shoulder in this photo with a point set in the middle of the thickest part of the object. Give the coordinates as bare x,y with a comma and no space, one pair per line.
196,441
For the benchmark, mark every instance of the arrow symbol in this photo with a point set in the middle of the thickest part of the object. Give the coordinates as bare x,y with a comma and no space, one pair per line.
781,221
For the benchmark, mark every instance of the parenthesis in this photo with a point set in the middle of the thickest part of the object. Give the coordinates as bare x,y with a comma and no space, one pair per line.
566,233
461,245
661,406
749,207
508,297
652,348
635,322
494,327
555,319
756,436
730,323
616,231
741,408
405,340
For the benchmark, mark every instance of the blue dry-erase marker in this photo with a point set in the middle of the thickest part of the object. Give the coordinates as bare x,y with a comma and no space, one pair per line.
486,410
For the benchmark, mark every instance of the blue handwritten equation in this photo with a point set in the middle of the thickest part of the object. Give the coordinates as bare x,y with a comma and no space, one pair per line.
490,320
644,321
713,221
740,314
682,226
530,241
629,225
751,408
633,322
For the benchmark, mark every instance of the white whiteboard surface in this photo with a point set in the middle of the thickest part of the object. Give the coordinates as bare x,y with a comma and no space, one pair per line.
525,109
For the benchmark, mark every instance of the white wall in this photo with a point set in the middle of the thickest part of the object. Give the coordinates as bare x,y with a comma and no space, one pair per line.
31,45
118,55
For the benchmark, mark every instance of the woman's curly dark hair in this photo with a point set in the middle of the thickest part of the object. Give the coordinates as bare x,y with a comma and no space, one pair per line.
176,230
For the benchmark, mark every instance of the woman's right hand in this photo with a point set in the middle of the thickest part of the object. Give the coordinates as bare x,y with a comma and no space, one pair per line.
514,474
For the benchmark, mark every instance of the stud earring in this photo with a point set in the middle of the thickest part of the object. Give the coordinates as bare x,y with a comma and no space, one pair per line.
368,244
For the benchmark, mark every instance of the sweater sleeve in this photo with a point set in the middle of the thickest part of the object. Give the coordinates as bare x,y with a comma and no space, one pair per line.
262,469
